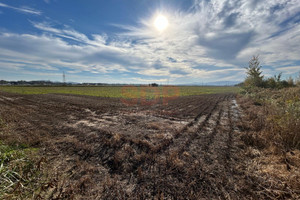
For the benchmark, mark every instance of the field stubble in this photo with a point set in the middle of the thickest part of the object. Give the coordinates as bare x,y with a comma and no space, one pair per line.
98,148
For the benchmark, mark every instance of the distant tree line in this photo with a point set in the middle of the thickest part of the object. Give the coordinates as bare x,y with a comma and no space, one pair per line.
256,79
50,83
22,82
46,83
153,85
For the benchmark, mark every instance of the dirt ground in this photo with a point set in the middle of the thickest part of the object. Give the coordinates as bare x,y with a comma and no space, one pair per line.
100,148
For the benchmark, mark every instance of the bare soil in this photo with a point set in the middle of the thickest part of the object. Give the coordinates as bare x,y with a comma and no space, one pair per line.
99,148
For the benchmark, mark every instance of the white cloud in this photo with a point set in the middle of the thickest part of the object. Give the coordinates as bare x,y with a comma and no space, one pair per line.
141,80
154,72
50,52
213,41
24,9
290,70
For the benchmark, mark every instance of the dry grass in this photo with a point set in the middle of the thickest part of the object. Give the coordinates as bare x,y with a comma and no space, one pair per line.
22,174
275,115
271,122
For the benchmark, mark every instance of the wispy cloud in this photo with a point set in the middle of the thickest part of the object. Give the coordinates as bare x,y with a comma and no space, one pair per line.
290,69
23,9
69,33
141,80
211,41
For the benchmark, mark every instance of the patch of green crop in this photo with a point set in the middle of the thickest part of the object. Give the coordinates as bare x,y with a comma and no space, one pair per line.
198,90
90,91
121,91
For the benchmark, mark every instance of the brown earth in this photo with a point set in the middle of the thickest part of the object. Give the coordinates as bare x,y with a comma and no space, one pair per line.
99,148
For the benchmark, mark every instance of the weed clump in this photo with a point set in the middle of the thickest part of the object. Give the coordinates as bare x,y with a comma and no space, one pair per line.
277,119
272,133
21,176
21,173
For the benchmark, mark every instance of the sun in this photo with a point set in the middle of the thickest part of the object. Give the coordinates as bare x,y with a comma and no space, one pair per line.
161,23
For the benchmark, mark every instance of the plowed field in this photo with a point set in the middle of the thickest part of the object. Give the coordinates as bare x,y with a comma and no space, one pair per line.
101,148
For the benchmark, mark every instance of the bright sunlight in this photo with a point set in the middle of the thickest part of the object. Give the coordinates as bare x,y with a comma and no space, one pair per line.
161,23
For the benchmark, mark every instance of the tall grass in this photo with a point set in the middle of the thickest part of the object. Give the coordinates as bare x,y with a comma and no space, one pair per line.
271,123
276,117
284,118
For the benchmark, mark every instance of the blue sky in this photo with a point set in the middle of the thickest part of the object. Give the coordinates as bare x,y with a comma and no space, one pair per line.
116,41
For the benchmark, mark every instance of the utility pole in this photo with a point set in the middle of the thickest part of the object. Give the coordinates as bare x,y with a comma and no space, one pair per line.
64,77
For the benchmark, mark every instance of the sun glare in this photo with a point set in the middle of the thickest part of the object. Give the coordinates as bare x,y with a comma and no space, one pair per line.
161,23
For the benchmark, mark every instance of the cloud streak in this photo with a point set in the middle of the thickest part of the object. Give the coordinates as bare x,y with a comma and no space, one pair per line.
23,9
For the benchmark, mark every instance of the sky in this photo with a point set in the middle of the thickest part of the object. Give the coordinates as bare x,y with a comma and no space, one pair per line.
116,41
